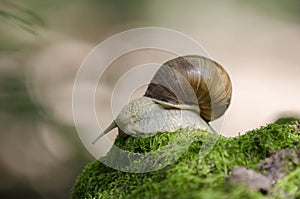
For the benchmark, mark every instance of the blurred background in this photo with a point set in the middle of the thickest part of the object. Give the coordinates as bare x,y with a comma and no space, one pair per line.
43,43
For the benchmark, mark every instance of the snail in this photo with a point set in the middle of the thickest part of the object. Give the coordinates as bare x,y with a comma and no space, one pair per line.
185,92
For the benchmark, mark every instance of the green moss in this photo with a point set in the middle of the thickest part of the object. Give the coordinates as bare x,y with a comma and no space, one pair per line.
289,186
285,120
189,176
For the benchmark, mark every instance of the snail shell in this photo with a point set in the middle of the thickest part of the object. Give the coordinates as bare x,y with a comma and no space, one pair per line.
192,81
186,92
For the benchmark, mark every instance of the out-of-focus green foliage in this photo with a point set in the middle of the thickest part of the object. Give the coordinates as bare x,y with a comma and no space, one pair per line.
17,23
289,9
14,98
19,110
21,16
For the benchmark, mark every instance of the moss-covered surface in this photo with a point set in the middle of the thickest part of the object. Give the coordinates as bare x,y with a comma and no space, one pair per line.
191,176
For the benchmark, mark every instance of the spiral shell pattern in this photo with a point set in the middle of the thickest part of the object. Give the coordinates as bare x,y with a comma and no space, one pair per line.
192,81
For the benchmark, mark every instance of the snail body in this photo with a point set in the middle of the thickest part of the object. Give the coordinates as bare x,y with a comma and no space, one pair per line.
186,92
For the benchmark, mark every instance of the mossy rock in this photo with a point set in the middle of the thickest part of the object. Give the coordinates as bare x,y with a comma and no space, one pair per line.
190,176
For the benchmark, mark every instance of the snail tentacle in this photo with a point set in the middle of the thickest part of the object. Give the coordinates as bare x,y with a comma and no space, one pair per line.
108,129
